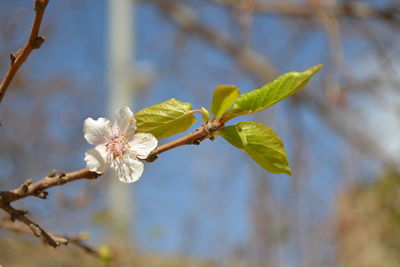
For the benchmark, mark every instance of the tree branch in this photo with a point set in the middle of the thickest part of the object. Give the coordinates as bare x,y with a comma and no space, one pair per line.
37,189
76,240
188,20
36,229
53,179
346,9
34,42
194,138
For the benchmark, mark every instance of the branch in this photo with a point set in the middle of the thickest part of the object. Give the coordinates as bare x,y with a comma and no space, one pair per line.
53,179
37,189
357,10
36,229
34,42
194,138
187,19
76,240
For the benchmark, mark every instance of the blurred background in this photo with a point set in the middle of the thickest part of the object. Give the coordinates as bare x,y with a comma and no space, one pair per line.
210,205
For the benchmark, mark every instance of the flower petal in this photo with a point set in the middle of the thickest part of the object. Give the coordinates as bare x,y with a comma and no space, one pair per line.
129,170
97,159
97,132
126,121
142,144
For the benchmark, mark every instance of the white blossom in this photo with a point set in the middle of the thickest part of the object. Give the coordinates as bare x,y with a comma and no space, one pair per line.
117,146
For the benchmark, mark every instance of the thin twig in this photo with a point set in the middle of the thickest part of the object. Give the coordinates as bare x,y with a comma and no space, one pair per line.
194,138
53,179
37,189
34,42
35,228
76,240
292,9
188,20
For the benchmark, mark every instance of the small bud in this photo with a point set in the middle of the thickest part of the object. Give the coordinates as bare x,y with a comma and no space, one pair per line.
41,194
37,43
52,173
62,178
84,236
205,114
26,184
13,57
105,254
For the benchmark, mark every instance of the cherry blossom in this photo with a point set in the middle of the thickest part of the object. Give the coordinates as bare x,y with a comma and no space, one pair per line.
117,146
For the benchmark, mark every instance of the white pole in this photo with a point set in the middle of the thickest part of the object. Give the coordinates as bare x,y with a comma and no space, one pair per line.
121,56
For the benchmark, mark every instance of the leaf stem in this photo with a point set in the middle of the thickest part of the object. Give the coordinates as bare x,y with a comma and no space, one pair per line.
195,111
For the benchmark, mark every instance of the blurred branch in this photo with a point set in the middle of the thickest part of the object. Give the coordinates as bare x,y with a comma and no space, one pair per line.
36,229
357,10
37,189
331,25
187,19
255,64
34,42
76,240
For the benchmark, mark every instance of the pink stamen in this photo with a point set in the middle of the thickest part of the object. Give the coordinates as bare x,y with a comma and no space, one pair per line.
117,146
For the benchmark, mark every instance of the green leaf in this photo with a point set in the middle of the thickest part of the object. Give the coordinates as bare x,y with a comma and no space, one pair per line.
224,97
261,143
271,93
165,119
233,135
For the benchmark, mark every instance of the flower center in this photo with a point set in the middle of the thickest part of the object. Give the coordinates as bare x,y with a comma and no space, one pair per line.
117,146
